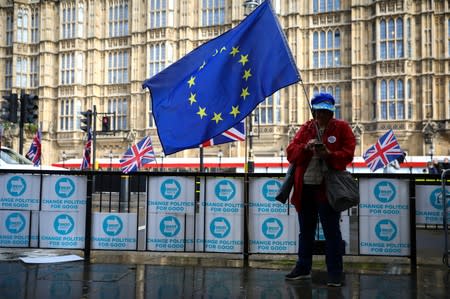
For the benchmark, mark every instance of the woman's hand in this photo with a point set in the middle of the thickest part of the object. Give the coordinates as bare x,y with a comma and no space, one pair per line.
310,145
321,150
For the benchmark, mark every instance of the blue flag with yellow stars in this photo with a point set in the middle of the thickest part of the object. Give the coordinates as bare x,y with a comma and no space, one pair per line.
218,84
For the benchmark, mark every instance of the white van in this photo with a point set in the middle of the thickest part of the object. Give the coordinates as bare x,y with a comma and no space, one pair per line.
10,159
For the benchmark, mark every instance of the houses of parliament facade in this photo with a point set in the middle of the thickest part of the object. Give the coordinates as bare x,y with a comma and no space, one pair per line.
386,62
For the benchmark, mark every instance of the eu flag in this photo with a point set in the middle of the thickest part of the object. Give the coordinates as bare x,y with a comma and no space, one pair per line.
218,84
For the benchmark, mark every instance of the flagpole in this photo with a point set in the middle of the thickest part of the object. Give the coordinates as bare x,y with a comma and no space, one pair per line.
202,168
319,135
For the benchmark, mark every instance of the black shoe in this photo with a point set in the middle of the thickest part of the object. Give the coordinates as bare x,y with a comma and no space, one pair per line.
334,281
298,274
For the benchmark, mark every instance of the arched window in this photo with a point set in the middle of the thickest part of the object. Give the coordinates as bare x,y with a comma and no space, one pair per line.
213,12
326,49
315,50
326,5
392,100
118,18
391,39
269,111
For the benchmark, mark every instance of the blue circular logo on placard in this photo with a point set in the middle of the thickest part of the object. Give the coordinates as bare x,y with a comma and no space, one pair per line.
436,198
63,224
225,190
112,225
272,228
385,191
220,227
16,186
169,226
170,189
270,189
64,187
386,230
15,223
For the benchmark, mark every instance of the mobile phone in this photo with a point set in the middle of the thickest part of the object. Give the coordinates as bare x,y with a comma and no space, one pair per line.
319,145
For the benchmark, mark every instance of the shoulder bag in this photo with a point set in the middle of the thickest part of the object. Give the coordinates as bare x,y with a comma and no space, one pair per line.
342,189
285,189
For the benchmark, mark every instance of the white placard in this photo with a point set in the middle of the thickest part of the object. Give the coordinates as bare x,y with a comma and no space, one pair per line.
171,195
223,234
224,196
273,234
115,231
64,193
19,191
61,230
384,217
384,197
14,228
384,236
430,205
167,232
262,197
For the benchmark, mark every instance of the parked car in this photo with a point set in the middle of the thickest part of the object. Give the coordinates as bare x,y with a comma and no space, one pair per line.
10,159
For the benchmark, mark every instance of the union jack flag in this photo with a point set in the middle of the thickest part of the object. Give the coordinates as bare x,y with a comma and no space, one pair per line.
87,152
138,155
383,152
236,133
34,153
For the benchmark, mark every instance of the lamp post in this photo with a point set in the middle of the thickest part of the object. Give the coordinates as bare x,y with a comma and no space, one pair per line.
431,151
110,159
250,5
162,161
220,155
64,159
281,158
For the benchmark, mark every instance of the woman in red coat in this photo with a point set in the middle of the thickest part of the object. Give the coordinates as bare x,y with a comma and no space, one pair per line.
312,157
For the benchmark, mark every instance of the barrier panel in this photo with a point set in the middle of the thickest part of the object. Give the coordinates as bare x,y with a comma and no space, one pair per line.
202,212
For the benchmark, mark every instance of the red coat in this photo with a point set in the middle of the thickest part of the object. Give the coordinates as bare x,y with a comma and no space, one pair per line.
338,138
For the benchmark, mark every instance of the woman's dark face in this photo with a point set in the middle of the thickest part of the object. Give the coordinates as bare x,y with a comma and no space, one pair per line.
322,116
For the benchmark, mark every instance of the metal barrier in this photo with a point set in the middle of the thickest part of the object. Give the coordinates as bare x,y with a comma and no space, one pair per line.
202,212
444,197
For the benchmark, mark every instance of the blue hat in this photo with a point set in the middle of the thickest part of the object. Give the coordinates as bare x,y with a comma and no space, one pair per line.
323,101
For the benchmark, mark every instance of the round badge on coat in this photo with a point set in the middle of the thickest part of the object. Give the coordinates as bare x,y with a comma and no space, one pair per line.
332,139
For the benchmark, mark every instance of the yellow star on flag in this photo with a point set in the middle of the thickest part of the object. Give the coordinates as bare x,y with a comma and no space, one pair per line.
235,111
245,92
192,99
203,65
234,51
244,59
223,49
201,112
191,81
217,117
247,74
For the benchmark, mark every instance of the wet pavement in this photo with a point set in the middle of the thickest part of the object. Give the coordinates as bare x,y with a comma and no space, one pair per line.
152,275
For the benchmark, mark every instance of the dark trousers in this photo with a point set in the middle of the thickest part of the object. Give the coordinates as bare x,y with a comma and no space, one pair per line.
313,207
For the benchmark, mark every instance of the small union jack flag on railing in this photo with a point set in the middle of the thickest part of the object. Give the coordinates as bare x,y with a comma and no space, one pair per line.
138,155
87,152
383,152
236,133
34,153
